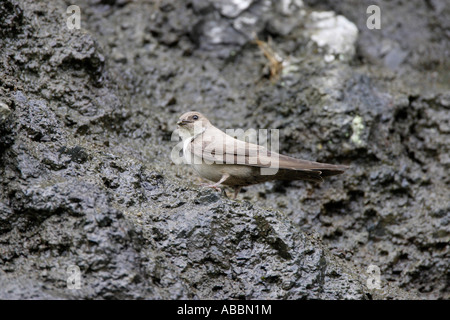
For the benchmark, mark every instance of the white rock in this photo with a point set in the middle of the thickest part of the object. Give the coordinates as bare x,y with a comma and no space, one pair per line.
335,33
232,8
4,111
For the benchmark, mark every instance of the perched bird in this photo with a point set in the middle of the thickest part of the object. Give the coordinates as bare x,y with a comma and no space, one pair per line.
225,160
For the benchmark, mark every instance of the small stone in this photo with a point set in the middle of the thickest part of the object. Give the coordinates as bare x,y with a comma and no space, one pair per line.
5,111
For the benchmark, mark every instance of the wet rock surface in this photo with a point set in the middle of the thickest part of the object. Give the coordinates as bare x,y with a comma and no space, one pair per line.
86,131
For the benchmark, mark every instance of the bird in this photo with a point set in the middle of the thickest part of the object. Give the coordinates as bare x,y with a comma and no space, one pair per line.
227,161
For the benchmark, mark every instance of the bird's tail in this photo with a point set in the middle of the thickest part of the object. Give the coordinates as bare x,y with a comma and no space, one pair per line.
309,170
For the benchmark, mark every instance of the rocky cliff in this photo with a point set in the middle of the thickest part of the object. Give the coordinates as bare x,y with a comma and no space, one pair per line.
86,130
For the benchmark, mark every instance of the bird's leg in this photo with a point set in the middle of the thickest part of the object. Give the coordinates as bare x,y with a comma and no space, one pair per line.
224,193
215,185
236,191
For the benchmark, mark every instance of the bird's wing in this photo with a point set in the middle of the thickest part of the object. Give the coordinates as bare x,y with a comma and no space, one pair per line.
215,146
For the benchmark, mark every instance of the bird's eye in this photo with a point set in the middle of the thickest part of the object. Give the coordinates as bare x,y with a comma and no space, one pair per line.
195,117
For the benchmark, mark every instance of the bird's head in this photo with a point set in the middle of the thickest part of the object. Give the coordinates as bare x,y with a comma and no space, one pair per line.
192,123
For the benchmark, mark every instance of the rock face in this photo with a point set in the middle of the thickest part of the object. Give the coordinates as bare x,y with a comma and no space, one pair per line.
86,131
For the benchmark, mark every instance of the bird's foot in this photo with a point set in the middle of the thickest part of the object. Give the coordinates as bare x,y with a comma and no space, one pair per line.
213,186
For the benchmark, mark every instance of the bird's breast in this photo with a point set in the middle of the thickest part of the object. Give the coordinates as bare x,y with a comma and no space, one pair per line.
239,174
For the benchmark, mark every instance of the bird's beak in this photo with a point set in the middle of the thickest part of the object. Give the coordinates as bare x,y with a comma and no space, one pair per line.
183,122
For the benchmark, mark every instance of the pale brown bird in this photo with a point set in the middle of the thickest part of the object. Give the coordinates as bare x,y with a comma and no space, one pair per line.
226,160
